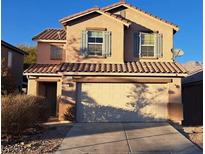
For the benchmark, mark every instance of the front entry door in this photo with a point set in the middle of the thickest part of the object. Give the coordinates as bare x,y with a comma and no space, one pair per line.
50,94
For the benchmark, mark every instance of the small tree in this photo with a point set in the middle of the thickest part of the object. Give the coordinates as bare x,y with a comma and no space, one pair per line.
32,53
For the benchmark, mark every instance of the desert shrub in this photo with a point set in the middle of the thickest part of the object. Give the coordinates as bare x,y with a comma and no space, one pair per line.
42,109
20,112
70,113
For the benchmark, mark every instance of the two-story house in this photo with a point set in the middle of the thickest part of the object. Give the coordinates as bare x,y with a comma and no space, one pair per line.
115,64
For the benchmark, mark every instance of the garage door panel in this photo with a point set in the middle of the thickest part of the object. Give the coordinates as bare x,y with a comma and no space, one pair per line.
114,102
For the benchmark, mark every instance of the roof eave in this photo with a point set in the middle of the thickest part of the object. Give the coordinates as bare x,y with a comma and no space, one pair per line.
53,41
125,74
64,21
41,74
181,75
176,28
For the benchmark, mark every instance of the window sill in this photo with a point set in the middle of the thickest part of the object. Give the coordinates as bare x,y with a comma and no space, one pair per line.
93,56
148,58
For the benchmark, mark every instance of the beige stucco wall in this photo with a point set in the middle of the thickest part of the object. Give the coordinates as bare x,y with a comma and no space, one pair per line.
145,23
32,87
36,89
43,53
175,100
68,96
99,21
160,101
122,38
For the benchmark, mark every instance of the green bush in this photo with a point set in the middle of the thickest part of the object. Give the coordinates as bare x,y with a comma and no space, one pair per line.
20,112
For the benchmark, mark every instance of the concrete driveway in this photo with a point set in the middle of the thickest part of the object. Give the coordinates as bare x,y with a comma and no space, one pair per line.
157,138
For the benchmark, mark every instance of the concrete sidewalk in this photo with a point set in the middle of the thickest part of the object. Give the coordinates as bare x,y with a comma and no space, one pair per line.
157,138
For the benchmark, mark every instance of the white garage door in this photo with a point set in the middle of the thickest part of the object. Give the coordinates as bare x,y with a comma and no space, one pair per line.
121,102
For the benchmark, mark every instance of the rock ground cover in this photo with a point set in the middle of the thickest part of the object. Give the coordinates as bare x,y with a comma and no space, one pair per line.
39,140
193,133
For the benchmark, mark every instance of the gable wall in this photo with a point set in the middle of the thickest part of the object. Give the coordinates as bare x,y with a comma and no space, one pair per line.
43,53
122,47
100,21
148,23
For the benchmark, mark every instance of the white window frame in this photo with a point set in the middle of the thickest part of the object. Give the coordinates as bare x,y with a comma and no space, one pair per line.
10,59
92,43
145,45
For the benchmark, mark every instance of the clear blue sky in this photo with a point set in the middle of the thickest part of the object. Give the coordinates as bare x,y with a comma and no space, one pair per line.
22,19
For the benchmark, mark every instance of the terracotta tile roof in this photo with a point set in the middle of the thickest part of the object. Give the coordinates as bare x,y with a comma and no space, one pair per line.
51,34
129,5
193,66
97,9
129,67
43,68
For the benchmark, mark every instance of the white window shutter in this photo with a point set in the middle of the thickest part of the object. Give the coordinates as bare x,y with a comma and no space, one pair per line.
106,49
84,43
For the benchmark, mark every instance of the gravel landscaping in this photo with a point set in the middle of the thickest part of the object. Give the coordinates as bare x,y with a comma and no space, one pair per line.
193,133
45,139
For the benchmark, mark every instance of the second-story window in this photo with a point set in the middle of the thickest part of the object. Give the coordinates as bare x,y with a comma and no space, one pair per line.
147,45
150,45
96,43
56,53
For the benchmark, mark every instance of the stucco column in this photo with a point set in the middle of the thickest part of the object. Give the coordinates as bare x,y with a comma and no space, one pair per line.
68,96
32,87
175,107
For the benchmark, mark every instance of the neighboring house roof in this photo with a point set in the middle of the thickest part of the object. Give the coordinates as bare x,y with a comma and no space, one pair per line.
129,67
115,5
193,78
13,48
193,66
51,34
92,10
